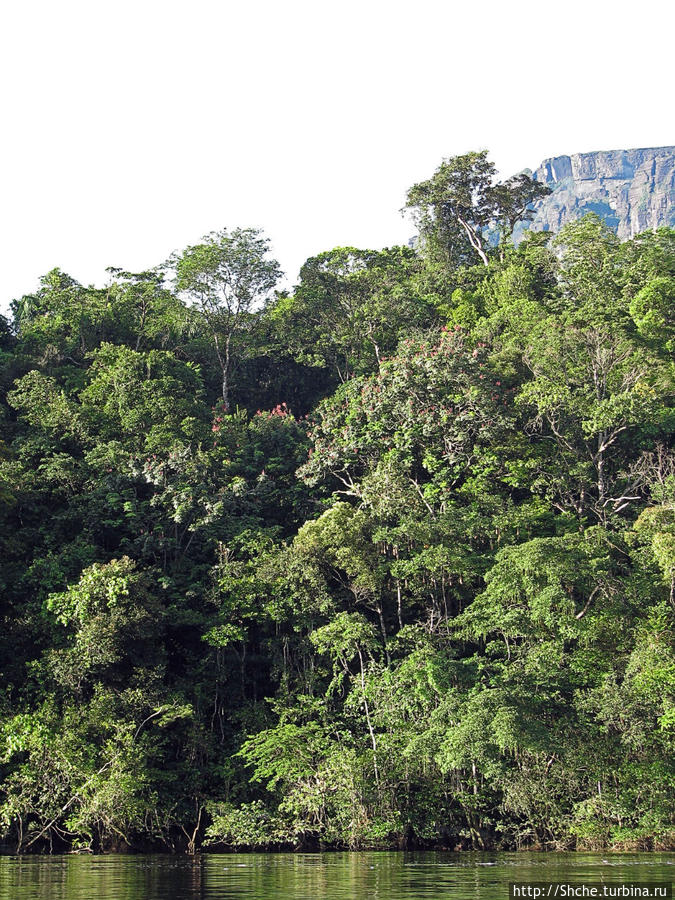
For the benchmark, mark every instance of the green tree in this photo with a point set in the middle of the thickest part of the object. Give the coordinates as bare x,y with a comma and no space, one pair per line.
594,386
226,275
456,206
351,307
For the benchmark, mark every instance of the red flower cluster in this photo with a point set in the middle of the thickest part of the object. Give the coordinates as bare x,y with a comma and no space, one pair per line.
279,410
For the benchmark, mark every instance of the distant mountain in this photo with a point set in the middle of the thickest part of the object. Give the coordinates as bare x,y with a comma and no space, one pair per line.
632,190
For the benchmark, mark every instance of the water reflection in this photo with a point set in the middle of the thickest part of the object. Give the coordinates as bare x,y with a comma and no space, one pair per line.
313,876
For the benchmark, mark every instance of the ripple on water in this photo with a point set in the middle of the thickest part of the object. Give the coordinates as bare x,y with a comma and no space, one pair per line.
313,876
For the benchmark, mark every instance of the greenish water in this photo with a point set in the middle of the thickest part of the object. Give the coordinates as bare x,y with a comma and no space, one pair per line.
314,876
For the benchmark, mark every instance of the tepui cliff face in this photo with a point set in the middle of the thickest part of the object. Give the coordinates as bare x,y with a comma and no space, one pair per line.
632,190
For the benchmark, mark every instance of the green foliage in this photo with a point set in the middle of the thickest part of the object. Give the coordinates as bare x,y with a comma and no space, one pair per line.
351,308
455,208
225,275
437,610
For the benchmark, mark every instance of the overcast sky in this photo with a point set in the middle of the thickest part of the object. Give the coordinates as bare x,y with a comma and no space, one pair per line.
130,129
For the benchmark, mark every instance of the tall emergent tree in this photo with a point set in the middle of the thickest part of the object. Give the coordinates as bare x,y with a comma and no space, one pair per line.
457,207
225,275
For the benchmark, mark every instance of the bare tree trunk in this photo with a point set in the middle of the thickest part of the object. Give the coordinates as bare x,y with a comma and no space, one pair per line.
474,240
366,709
224,363
226,375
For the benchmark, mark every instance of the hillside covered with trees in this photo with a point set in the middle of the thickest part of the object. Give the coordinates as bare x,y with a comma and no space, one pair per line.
387,560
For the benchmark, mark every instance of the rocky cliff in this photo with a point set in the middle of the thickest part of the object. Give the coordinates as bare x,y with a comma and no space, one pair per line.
632,190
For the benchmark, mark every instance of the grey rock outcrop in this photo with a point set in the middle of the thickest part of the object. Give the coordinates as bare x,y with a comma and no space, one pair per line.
632,190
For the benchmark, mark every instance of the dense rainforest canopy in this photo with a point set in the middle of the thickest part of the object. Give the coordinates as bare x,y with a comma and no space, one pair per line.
384,560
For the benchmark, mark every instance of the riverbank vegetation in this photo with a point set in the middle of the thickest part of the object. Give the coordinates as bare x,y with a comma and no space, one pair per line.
385,560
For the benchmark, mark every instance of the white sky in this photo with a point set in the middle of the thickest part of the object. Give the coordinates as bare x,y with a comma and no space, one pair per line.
130,129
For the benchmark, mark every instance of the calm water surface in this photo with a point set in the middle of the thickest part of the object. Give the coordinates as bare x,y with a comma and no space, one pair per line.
314,876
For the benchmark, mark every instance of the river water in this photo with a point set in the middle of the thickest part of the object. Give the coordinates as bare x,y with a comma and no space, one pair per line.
314,876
